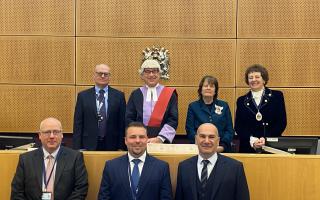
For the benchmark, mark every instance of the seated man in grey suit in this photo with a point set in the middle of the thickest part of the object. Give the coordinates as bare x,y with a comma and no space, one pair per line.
52,171
136,175
209,175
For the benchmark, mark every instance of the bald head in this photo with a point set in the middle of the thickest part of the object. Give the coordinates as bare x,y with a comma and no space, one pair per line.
208,127
99,66
207,139
48,121
50,134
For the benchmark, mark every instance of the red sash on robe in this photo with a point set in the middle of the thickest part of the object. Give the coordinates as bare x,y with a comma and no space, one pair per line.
160,107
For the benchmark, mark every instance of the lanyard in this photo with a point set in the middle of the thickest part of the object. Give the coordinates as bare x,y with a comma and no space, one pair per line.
45,174
100,104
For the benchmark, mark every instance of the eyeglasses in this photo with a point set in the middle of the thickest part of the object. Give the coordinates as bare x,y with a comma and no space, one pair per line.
149,71
103,74
48,132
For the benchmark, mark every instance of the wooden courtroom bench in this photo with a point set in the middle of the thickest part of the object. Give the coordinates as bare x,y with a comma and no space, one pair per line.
270,177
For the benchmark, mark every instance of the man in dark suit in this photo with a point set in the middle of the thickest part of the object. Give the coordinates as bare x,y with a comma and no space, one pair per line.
153,104
136,175
99,117
65,178
209,175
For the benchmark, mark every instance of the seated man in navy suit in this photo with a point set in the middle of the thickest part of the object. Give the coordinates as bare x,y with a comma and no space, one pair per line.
136,175
209,175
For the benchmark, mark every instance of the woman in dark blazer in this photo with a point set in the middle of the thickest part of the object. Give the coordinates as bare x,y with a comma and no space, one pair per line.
209,109
260,113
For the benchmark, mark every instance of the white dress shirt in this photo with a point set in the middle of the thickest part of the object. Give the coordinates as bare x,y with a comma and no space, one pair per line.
141,163
210,166
257,96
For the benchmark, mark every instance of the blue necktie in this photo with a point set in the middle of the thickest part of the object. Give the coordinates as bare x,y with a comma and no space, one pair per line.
135,176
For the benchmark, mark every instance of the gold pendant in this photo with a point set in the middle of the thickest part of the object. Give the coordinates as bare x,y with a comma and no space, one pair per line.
258,116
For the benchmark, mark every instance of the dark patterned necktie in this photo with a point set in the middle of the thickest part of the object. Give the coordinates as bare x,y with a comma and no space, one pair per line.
204,178
102,122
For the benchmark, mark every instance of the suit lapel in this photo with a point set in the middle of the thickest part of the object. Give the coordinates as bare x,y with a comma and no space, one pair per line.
110,101
218,174
249,104
124,175
38,166
92,99
265,97
145,174
204,107
193,176
61,162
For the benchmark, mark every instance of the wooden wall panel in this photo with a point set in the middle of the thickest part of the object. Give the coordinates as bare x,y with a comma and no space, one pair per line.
37,60
186,95
45,17
291,63
142,18
23,107
189,59
215,37
278,19
302,108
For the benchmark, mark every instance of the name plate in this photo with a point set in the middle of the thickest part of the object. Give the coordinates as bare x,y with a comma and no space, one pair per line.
172,148
274,150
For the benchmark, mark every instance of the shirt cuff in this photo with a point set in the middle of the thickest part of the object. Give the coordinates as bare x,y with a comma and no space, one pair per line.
253,140
161,138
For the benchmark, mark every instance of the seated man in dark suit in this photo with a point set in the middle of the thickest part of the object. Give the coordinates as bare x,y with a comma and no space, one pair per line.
136,175
209,175
52,171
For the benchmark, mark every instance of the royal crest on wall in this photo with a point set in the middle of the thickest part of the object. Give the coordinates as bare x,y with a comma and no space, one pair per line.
161,55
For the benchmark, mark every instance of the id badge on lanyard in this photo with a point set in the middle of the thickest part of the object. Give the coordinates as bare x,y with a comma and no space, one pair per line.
46,196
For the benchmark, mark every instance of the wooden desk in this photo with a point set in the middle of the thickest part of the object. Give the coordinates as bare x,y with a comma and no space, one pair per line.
270,177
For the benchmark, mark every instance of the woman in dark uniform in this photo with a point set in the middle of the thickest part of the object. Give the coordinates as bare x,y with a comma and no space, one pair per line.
209,109
260,113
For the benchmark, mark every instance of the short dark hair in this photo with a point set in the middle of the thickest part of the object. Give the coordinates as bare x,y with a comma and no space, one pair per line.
136,124
212,81
257,68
